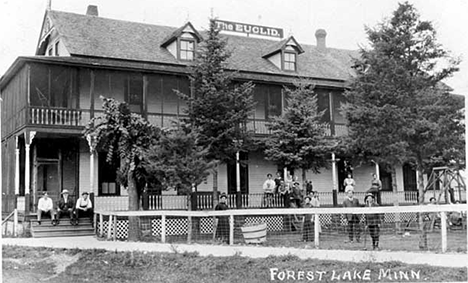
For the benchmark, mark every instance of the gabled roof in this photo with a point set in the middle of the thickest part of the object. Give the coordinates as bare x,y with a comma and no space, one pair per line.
179,31
92,36
281,45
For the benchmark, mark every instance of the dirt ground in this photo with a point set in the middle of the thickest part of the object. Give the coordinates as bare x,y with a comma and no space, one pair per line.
26,264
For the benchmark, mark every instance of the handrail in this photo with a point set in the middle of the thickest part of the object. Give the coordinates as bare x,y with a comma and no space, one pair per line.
286,211
9,216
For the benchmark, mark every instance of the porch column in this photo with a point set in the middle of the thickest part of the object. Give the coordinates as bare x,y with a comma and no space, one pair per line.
92,151
377,170
27,168
238,180
17,167
17,173
334,180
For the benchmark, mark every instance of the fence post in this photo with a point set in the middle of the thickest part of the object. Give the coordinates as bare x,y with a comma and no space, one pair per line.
115,227
101,224
163,228
335,198
15,223
316,229
109,227
231,229
443,230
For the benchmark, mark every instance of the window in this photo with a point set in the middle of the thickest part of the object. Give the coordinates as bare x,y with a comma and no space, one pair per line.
56,49
134,93
49,52
187,48
289,61
108,184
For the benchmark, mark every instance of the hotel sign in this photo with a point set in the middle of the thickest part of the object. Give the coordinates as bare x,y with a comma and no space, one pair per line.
249,29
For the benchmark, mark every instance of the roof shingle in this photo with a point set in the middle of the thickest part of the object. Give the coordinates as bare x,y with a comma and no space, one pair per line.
108,38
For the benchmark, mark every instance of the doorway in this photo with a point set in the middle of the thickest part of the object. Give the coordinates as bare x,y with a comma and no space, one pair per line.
244,175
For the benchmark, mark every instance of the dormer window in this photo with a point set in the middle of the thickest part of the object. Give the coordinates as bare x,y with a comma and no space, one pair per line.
187,49
289,61
182,42
284,54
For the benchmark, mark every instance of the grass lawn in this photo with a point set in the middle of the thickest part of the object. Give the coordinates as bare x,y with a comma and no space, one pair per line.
24,264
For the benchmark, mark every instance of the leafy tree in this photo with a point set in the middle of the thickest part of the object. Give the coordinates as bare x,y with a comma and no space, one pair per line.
298,139
218,108
177,160
399,110
127,136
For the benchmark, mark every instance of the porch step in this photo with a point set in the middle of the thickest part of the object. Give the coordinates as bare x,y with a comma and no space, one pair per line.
64,229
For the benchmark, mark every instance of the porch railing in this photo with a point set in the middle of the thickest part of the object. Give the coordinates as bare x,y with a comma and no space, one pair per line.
56,116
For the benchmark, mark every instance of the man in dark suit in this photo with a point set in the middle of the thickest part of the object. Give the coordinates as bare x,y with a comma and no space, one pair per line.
65,206
354,229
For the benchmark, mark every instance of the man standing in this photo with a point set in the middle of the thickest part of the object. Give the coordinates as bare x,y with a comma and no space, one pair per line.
268,189
373,221
354,229
45,206
65,206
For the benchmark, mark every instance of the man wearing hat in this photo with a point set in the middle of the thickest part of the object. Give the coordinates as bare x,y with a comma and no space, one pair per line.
65,206
373,220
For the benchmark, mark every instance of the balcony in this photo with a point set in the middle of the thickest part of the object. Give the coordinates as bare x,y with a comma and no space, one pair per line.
56,117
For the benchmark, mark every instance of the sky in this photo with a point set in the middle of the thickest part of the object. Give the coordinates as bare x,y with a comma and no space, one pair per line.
344,21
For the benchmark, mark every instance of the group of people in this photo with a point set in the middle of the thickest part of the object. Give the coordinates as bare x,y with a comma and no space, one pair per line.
65,206
288,188
373,221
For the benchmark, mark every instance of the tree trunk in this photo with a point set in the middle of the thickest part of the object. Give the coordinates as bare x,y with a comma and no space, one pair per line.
133,205
215,185
422,228
396,201
304,185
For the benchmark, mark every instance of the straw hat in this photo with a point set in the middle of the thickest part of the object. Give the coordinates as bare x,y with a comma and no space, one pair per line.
65,192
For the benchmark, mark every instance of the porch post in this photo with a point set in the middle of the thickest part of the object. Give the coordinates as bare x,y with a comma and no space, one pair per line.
17,168
377,172
238,180
27,169
92,149
335,183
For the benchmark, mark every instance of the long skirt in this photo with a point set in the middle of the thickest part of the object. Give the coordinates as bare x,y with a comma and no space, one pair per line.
308,231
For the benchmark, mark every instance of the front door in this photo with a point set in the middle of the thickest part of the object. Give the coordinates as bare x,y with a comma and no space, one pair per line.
244,175
48,179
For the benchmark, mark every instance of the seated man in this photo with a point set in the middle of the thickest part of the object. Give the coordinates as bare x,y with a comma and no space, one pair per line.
84,207
65,206
45,206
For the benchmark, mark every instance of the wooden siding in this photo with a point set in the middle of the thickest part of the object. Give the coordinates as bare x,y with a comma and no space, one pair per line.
15,95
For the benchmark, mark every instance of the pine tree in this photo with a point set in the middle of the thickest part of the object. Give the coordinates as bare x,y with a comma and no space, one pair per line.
298,139
218,108
177,160
398,109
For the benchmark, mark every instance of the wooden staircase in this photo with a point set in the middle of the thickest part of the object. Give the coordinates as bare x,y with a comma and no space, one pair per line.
64,229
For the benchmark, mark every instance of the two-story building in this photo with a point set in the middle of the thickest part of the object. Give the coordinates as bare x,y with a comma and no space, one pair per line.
49,98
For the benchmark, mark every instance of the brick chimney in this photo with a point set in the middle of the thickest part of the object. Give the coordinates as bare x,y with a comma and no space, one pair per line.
321,35
92,10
